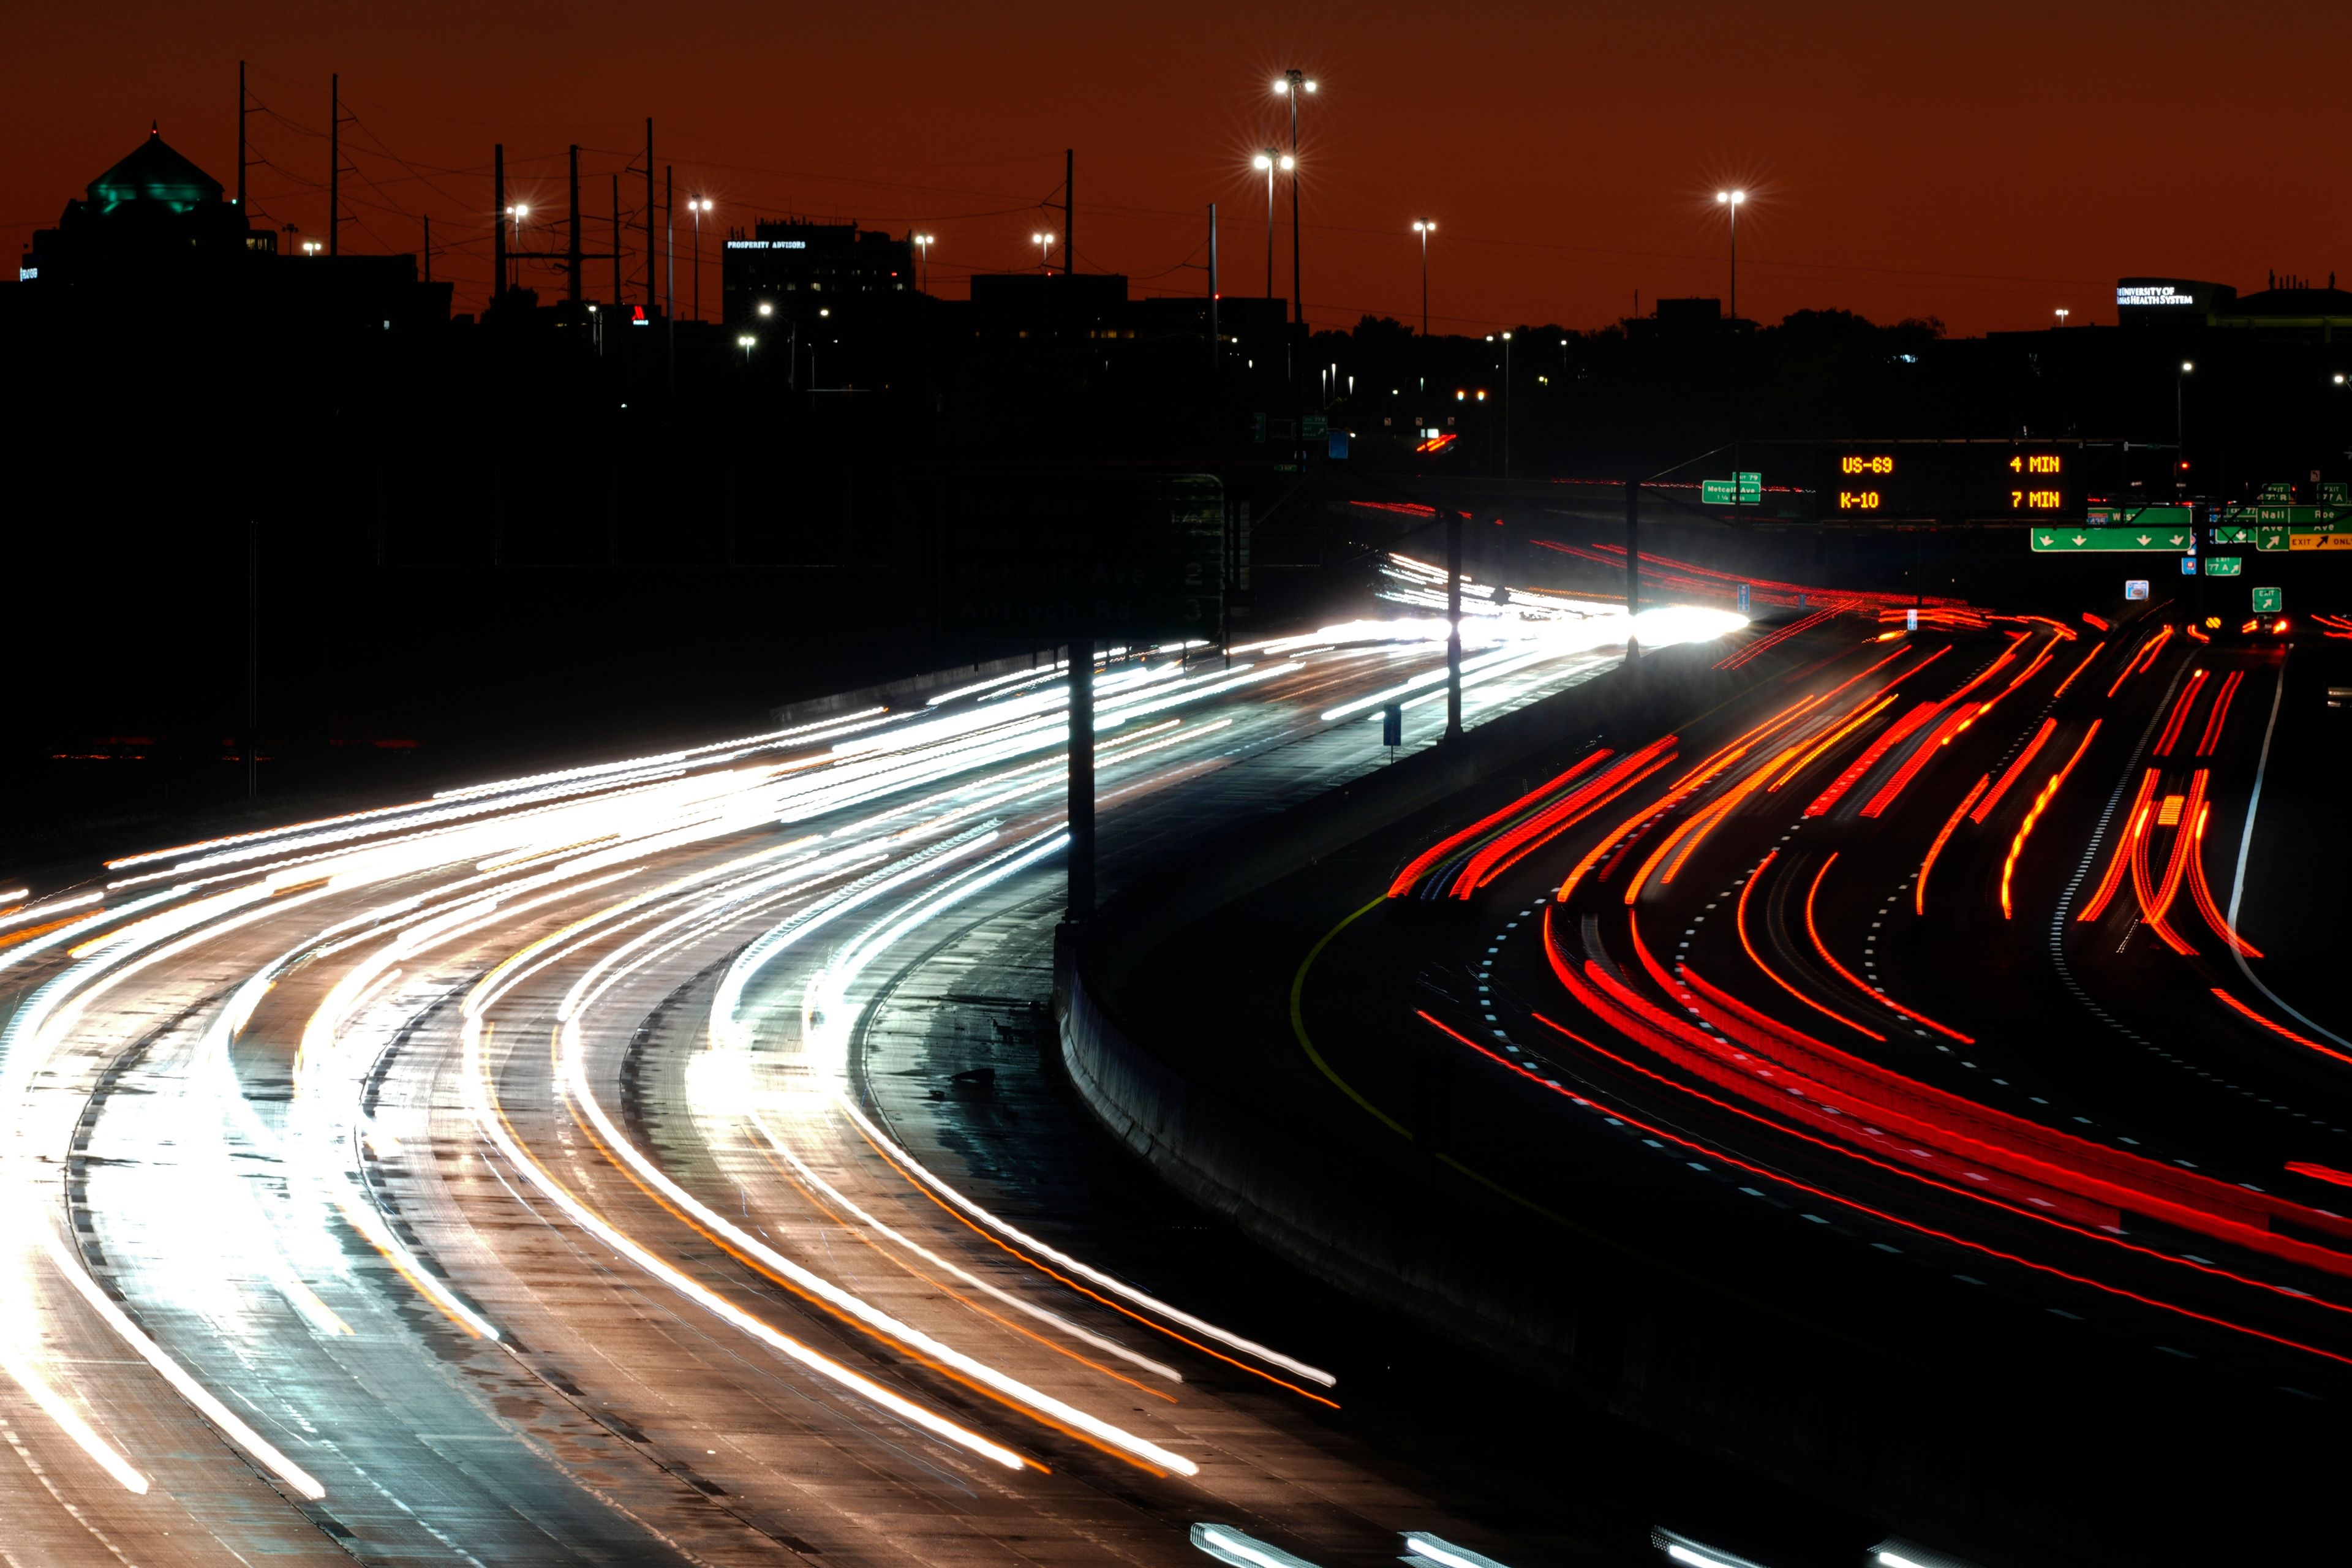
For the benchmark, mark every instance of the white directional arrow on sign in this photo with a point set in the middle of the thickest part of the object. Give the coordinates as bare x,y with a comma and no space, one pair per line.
2046,540
2142,539
2178,538
2078,539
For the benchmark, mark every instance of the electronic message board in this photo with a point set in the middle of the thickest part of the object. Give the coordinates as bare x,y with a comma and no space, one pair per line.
1884,481
2041,482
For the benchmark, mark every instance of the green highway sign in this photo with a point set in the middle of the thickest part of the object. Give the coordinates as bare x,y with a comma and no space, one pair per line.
2233,533
2336,491
2303,519
2167,517
2067,540
1752,486
2269,601
2278,489
2223,565
1741,490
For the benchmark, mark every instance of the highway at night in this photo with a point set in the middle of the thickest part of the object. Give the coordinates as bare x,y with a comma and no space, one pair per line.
1916,991
525,1175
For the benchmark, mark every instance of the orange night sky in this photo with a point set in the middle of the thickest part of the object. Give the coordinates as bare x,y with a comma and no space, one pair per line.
1983,164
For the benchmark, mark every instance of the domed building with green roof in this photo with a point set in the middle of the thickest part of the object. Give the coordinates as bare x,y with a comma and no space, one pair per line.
154,205
156,227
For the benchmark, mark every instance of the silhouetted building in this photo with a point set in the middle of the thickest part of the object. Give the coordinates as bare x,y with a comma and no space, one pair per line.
156,227
2168,301
796,267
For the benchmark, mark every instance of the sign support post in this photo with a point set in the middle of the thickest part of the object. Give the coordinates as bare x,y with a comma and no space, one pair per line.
1453,625
1633,566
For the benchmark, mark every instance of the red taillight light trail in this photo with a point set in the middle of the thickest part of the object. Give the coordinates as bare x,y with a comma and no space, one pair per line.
1919,889
2011,774
2033,814
2180,713
1854,980
2213,721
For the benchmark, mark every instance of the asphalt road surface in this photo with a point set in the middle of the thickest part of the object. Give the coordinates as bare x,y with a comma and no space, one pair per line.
568,1169
1963,949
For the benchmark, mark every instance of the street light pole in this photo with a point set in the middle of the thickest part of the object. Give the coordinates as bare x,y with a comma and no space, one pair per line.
1730,202
1507,405
1269,161
1296,84
698,205
923,249
2179,424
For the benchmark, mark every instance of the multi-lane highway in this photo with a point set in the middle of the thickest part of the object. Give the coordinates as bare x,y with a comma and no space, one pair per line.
1940,947
546,1171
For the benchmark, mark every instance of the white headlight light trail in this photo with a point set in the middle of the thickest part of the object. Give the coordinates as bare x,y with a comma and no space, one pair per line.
1419,1543
37,1027
492,1125
990,744
1230,1545
607,972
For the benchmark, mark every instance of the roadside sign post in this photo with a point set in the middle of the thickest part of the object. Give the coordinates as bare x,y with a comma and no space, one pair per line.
2224,566
2134,587
2269,601
1453,625
1744,596
1392,728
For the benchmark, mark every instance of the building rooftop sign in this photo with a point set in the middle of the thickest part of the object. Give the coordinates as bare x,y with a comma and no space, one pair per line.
767,245
2153,294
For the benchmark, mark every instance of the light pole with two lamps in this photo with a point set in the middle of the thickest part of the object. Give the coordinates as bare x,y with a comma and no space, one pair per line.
1270,160
1731,202
698,205
923,243
1044,244
514,244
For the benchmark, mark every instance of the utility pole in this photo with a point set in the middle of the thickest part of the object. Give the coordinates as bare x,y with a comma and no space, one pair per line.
1454,623
669,271
1069,203
428,248
649,214
572,247
334,163
1216,342
1298,81
1633,566
498,221
243,215
616,244
1082,780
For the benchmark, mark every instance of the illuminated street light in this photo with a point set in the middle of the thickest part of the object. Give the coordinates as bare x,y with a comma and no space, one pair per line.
1424,228
1270,160
1044,244
2062,314
923,243
767,309
516,212
745,343
698,205
1730,201
312,248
